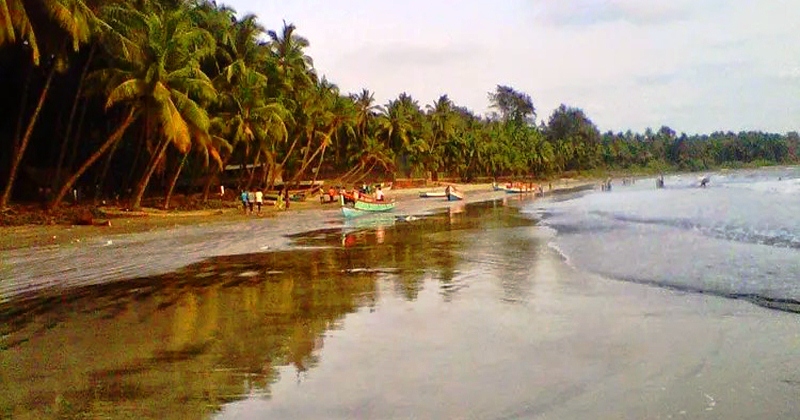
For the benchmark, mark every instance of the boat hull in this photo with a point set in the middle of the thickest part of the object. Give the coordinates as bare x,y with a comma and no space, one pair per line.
433,194
361,208
518,190
455,196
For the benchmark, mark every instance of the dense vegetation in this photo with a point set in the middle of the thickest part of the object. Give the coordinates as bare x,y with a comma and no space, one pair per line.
113,96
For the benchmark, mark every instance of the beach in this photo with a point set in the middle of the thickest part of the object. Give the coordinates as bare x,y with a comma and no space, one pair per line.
149,219
465,311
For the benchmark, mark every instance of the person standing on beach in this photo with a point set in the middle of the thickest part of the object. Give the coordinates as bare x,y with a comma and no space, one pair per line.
259,199
244,201
251,200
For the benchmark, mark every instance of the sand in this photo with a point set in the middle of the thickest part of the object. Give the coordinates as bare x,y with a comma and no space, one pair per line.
16,237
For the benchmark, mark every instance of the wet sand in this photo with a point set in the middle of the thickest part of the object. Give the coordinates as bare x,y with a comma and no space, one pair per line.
457,315
578,347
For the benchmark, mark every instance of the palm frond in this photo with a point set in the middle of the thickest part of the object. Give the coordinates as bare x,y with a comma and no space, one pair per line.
174,126
126,91
193,113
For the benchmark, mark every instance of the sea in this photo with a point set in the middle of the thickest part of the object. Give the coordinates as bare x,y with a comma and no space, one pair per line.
737,237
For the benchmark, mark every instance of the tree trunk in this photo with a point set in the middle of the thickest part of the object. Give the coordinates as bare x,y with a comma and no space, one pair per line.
207,187
364,175
304,163
321,159
17,158
253,172
139,151
174,181
307,160
101,181
112,139
151,168
76,137
22,105
65,142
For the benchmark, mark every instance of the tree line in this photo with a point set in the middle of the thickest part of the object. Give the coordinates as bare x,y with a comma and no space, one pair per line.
114,94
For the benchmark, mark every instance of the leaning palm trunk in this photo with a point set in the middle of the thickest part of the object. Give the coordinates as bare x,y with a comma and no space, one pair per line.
18,153
253,172
151,169
306,161
174,181
101,180
212,174
22,106
113,139
319,165
344,179
65,141
364,175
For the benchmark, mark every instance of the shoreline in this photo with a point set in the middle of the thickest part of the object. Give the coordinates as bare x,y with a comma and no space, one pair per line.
152,219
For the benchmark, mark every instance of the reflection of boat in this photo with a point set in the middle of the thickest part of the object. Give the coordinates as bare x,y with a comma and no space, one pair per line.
372,220
431,194
362,207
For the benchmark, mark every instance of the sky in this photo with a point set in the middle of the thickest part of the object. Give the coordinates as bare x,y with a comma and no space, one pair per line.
696,66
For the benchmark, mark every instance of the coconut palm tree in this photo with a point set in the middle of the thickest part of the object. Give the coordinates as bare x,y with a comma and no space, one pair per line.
159,77
250,120
294,68
73,21
443,121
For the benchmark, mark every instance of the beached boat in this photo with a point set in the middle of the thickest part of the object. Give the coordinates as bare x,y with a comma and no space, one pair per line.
454,195
362,207
498,187
520,190
433,194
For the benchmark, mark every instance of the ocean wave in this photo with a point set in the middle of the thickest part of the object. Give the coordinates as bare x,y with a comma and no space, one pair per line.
783,187
771,302
779,237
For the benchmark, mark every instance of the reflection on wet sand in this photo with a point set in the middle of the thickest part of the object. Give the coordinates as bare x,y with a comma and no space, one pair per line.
181,345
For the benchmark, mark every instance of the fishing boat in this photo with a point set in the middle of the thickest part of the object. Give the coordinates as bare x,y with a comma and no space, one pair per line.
454,195
432,194
498,187
519,189
362,207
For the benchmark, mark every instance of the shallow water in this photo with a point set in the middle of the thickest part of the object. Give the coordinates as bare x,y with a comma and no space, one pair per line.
739,237
182,344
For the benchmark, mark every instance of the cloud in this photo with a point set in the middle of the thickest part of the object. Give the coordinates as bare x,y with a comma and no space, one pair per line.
590,12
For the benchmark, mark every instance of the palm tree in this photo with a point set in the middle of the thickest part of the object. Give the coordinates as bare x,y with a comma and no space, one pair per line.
160,78
293,68
400,126
249,120
74,19
443,125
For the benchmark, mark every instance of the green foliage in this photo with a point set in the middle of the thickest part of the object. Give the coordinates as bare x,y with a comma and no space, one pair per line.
202,79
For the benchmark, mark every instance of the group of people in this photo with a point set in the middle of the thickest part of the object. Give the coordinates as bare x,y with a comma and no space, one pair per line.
368,191
252,201
606,185
364,193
